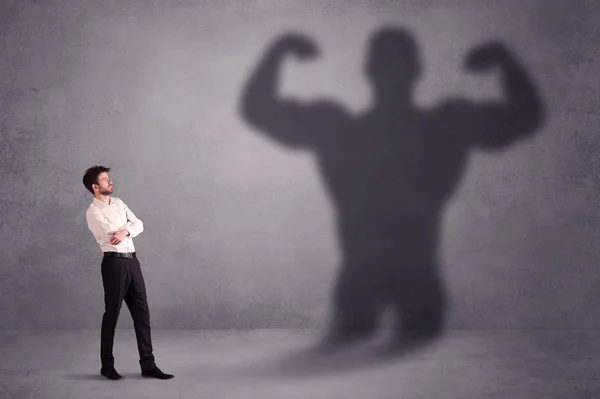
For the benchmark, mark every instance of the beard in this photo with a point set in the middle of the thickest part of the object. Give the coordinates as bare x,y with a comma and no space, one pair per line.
106,191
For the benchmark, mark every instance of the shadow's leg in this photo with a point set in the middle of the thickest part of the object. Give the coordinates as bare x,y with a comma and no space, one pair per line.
423,307
419,300
356,304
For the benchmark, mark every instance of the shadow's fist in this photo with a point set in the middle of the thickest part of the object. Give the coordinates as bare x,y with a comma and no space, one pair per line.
487,56
299,45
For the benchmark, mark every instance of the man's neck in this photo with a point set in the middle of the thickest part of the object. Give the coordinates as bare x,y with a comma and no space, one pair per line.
103,198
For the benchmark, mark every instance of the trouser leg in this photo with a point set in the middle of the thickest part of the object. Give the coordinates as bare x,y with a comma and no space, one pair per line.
137,302
115,280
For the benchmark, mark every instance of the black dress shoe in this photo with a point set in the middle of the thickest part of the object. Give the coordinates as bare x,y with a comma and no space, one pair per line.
110,373
156,373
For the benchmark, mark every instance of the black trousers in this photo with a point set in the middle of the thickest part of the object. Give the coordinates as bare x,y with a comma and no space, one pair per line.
123,280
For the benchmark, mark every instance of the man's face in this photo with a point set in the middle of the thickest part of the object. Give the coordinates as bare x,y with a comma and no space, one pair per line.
104,185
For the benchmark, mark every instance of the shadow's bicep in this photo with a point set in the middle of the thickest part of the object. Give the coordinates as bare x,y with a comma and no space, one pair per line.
488,126
295,124
500,127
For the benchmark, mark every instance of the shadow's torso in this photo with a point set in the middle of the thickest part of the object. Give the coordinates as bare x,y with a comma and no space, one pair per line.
389,177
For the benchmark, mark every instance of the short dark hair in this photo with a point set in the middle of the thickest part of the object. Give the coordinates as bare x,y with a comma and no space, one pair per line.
91,176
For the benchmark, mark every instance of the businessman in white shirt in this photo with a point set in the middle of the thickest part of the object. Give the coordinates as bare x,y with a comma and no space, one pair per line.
114,226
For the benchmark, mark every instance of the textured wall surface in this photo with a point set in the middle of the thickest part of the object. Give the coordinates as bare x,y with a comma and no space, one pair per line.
241,231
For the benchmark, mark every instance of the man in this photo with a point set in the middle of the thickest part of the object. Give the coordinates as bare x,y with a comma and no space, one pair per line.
114,226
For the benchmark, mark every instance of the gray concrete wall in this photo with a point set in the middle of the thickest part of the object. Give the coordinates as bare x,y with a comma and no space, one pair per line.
240,231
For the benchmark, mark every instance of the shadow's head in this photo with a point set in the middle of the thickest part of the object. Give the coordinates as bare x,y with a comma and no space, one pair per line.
393,64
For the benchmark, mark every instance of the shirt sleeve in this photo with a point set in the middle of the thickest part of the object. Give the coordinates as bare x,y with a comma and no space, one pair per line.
99,225
134,225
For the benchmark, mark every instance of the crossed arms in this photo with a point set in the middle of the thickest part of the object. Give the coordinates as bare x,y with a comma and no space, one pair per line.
103,229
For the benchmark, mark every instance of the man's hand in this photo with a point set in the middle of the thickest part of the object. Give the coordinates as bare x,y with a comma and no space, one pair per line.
117,236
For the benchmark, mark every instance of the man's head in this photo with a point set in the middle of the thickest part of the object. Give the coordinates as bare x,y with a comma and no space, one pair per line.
393,60
96,180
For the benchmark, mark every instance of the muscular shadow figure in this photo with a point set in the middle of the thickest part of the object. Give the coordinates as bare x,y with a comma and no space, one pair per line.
391,171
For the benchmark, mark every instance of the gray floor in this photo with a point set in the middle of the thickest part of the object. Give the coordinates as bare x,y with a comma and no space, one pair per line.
278,364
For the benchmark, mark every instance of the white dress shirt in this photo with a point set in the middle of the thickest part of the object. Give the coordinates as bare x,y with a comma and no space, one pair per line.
103,218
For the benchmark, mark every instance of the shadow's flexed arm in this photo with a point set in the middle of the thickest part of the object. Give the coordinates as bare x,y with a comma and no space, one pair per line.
496,125
286,121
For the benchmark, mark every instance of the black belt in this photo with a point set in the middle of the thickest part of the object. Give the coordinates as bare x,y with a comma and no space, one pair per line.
127,255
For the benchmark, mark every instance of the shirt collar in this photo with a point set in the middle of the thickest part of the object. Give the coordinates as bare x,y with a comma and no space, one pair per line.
101,204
